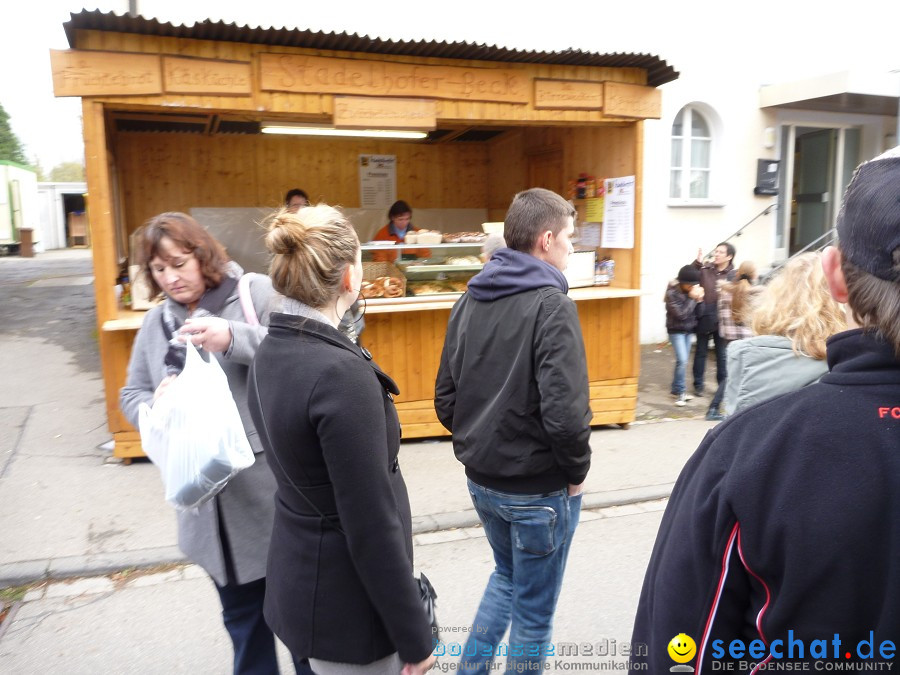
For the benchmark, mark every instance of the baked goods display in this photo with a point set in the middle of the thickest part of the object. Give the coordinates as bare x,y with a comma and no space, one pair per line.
463,260
382,287
427,237
464,237
436,287
458,285
427,287
445,270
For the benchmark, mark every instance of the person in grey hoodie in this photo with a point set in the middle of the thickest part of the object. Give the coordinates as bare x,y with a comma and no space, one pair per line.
512,388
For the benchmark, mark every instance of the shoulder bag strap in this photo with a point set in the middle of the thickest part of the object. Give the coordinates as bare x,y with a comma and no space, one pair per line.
273,455
247,299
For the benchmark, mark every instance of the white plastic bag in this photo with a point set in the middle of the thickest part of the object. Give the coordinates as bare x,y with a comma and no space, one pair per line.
194,433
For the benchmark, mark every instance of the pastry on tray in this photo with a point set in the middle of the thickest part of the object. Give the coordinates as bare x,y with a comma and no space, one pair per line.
382,287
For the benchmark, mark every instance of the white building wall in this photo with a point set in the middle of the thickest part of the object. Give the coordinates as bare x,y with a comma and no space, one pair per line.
727,85
672,233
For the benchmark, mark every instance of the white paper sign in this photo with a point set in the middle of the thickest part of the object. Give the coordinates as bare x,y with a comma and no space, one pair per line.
377,181
618,213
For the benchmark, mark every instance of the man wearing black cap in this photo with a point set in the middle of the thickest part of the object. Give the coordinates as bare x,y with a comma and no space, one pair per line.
781,539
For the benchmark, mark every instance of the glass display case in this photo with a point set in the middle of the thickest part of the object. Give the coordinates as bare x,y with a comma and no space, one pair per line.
394,271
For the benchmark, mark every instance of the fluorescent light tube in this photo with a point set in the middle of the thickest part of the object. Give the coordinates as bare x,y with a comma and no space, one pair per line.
331,131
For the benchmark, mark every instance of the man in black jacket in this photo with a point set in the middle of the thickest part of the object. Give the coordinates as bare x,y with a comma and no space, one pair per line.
781,539
712,275
513,389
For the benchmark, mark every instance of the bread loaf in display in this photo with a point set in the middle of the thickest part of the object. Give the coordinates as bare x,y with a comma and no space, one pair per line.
382,287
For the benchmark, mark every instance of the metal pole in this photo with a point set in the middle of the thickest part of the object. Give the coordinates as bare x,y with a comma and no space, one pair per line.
132,7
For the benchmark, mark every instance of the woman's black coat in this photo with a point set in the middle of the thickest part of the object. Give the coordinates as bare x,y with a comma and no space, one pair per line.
335,434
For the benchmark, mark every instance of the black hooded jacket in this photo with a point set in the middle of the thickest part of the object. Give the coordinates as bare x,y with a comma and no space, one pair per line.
512,386
784,527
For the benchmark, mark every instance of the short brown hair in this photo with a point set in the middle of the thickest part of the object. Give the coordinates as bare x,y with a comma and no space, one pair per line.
310,251
191,236
532,212
875,302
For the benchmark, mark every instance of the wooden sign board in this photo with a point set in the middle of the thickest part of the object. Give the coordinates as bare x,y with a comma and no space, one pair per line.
206,76
363,112
322,75
632,100
83,73
568,95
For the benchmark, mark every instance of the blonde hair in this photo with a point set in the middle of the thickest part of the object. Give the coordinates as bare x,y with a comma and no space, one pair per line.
739,289
310,250
796,304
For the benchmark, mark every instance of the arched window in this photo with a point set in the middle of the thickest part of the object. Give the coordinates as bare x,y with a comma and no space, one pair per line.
691,166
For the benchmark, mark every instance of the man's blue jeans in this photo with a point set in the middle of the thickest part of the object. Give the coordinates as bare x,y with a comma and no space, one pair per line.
681,344
530,536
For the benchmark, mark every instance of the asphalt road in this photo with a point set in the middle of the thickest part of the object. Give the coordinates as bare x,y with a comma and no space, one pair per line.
168,621
51,296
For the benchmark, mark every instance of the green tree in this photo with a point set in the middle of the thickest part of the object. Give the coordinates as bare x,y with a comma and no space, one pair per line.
67,172
10,146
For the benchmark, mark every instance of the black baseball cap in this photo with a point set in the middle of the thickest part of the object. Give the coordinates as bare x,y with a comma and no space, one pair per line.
869,222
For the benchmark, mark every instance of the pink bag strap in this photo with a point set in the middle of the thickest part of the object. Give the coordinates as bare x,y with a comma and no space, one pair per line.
247,300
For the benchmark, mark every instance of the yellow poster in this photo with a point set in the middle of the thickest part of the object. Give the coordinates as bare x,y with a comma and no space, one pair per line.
593,210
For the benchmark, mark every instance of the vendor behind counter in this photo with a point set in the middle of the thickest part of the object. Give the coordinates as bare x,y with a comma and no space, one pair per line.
399,225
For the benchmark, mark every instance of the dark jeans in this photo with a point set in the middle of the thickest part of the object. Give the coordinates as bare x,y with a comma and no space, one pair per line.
254,643
700,352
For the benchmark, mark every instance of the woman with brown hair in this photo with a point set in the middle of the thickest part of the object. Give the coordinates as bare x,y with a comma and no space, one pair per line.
229,534
340,579
733,305
793,317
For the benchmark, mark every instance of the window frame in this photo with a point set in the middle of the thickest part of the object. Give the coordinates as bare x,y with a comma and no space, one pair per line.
686,140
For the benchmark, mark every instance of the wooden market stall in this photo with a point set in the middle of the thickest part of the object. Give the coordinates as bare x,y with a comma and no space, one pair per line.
173,118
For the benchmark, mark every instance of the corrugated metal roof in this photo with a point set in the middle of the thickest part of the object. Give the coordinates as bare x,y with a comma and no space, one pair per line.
658,71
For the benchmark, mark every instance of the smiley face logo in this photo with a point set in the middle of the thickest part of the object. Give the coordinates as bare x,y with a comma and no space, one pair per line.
682,648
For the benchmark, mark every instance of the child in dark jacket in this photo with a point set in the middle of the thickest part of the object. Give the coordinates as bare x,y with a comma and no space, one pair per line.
681,300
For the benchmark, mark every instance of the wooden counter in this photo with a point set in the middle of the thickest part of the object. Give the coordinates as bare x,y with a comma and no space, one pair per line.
406,337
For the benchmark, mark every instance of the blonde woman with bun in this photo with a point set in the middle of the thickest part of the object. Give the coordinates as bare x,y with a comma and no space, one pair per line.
340,579
794,316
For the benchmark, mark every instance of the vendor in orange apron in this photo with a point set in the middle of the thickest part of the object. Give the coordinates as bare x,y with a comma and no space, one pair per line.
400,223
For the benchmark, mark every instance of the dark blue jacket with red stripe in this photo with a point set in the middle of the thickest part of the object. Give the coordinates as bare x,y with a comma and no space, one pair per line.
787,518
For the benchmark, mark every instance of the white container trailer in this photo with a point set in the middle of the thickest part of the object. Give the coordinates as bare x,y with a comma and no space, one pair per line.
60,205
18,204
